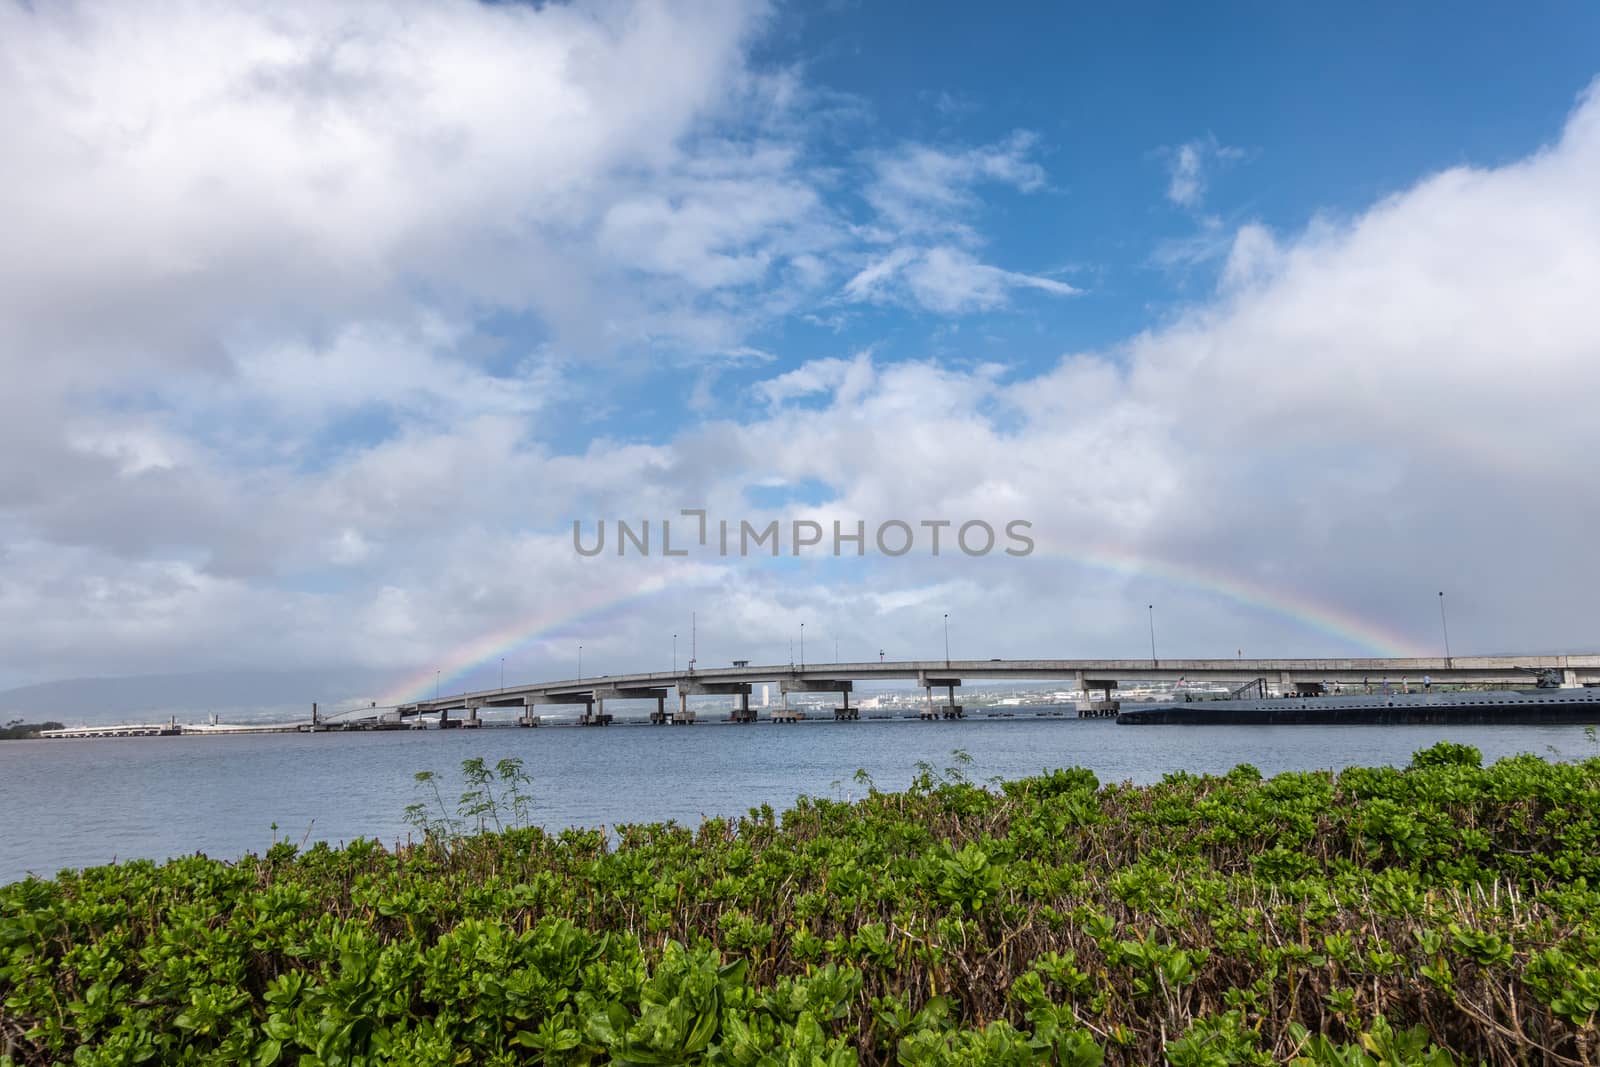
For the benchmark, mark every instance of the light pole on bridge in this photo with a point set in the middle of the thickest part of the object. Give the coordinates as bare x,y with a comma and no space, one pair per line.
802,646
580,663
947,641
1153,660
674,653
1445,626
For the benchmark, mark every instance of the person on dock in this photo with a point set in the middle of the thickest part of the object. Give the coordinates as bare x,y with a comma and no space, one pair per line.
1427,684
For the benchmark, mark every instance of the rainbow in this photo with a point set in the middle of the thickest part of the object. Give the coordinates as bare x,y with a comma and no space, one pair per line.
482,651
1320,618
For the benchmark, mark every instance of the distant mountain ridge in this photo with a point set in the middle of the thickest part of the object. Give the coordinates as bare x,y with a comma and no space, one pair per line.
232,695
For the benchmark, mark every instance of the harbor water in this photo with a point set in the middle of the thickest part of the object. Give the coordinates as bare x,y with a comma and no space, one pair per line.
78,803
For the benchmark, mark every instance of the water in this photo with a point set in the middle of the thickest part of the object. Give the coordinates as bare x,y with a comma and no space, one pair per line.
80,803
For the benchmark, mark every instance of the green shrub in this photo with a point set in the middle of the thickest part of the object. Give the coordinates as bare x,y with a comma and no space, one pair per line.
1447,754
1374,917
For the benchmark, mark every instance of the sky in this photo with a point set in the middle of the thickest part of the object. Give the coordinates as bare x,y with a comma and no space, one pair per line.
322,326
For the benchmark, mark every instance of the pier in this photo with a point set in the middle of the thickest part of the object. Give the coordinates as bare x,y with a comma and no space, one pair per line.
140,729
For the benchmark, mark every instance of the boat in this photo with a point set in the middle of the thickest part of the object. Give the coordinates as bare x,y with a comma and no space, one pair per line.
1547,705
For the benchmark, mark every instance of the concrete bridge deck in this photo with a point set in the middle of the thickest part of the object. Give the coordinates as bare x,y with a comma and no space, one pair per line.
1083,674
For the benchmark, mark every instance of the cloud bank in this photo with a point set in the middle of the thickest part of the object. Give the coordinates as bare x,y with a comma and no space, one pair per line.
262,406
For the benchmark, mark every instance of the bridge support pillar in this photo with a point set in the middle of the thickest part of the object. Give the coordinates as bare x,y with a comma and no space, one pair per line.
1106,707
845,713
527,718
952,710
471,721
1569,679
445,722
743,712
595,714
949,710
659,716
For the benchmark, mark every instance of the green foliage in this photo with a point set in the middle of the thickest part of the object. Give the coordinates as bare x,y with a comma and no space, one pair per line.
16,729
1439,915
494,799
1447,754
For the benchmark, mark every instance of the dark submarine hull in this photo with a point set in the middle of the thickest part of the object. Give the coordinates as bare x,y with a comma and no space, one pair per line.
1539,707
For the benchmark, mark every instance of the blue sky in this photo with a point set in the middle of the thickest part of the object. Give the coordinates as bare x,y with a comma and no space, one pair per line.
1279,317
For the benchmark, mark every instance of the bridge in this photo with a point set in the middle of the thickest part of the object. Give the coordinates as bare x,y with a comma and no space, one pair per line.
589,695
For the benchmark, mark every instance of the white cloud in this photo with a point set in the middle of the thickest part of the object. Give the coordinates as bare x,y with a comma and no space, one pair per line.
1211,240
876,278
808,379
1253,255
727,222
231,229
923,197
920,187
414,374
1190,166
208,164
946,280
1185,186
